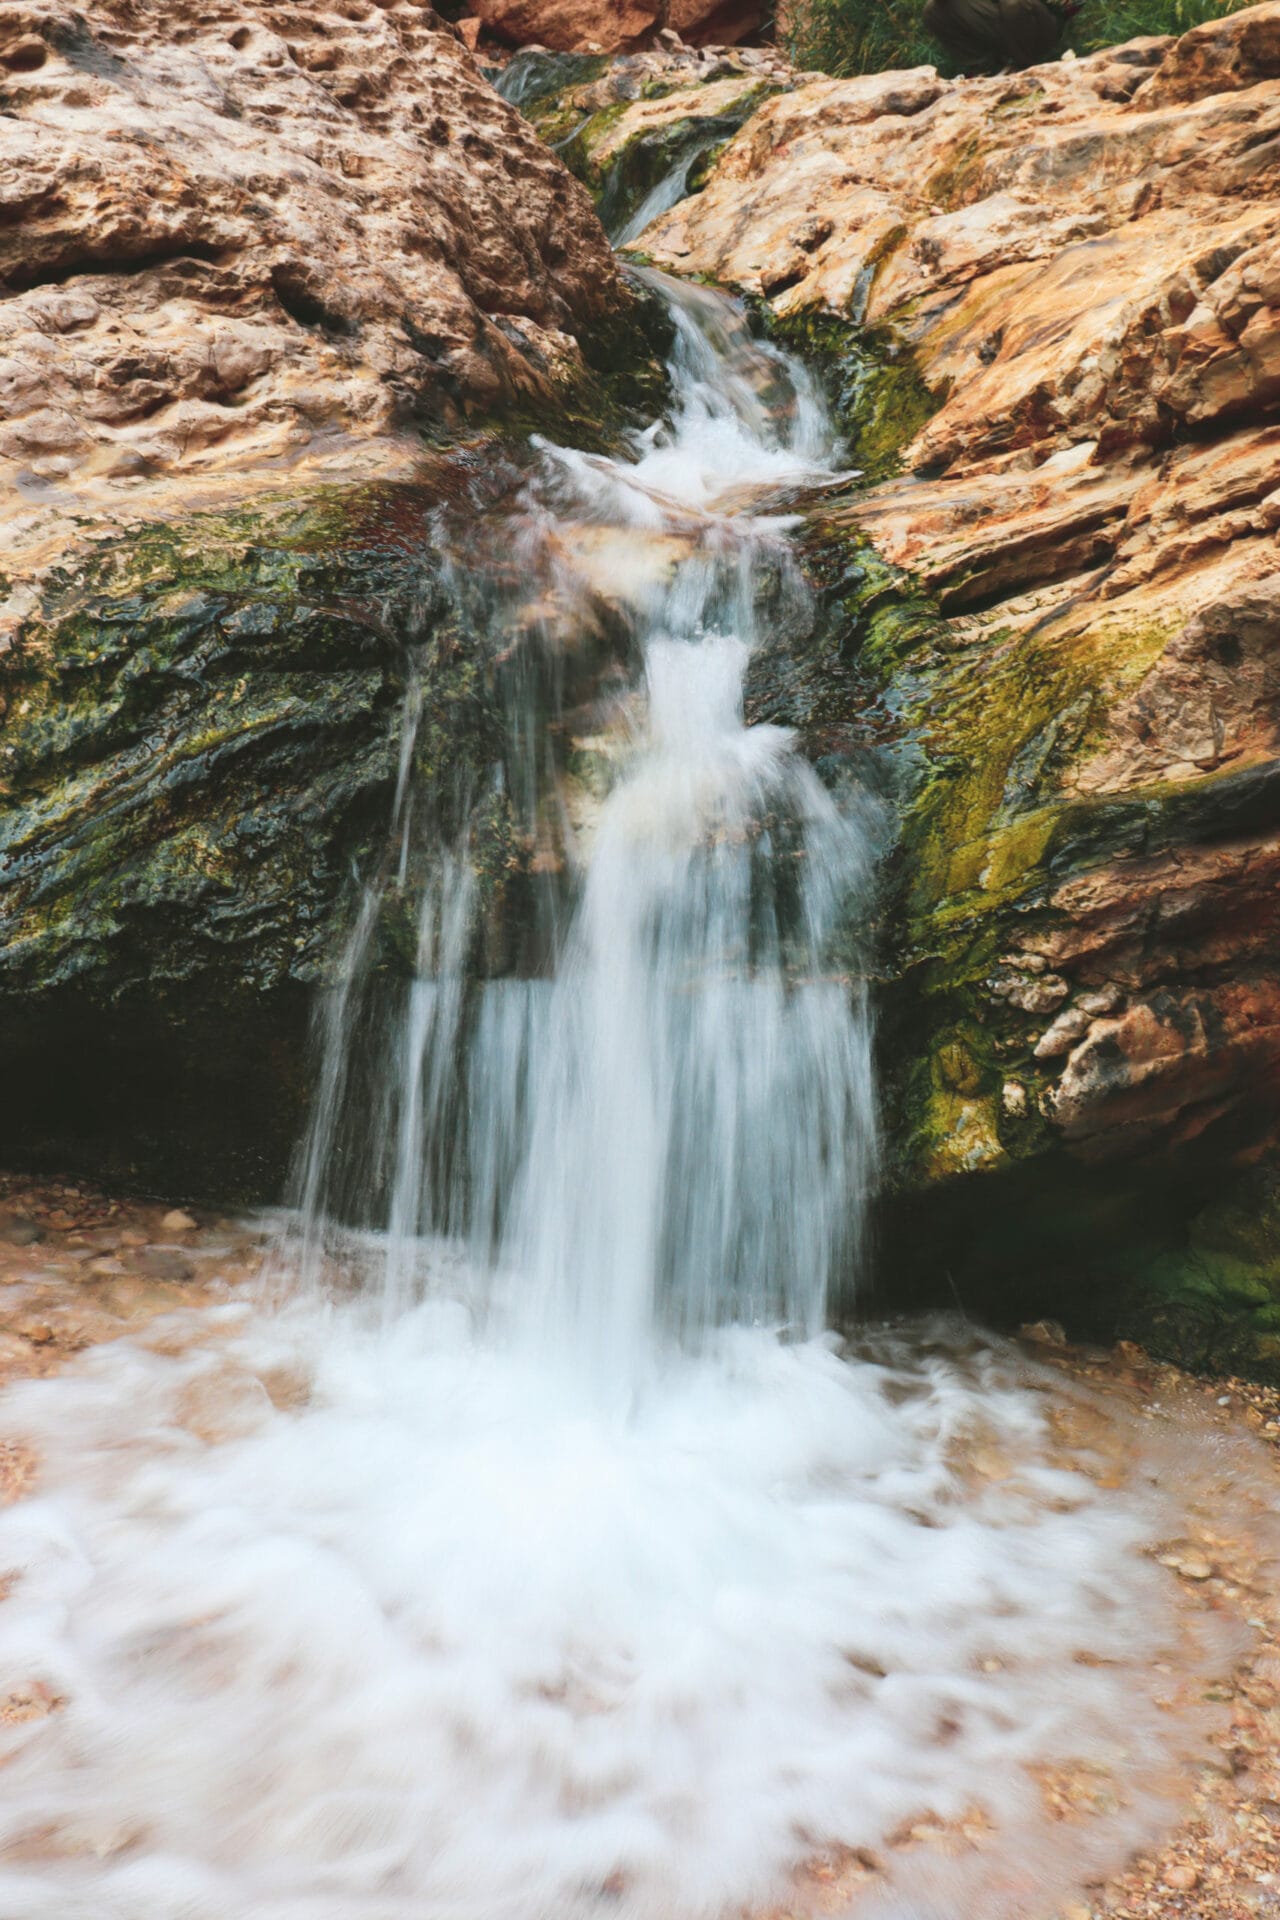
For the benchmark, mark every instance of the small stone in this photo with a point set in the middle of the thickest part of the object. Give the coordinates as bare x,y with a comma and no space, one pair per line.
131,1237
177,1221
1182,1877
1045,1333
224,1405
1037,996
1190,1565
1063,1034
106,1263
165,1263
1013,1097
1104,1000
16,1230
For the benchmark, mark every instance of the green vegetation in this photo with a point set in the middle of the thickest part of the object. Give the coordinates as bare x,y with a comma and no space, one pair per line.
846,37
1105,23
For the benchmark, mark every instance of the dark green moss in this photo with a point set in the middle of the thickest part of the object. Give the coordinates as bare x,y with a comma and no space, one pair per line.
622,176
535,80
876,391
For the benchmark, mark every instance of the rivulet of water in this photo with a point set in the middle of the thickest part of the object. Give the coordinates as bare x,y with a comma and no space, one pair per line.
533,1552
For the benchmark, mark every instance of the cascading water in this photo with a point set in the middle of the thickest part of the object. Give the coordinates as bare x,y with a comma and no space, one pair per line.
566,1567
675,1129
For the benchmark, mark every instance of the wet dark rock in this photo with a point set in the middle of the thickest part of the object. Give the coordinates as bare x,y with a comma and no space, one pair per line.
200,746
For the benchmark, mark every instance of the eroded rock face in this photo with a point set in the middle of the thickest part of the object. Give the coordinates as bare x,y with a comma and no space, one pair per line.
1065,284
245,234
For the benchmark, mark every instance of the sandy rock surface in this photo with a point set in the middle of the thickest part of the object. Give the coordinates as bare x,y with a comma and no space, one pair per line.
1084,261
78,1266
265,237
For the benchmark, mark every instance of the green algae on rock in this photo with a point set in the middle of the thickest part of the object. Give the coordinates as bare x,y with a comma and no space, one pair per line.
200,742
638,130
877,394
1061,1106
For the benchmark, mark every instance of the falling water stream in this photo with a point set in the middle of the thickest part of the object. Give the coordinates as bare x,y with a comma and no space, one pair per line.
534,1552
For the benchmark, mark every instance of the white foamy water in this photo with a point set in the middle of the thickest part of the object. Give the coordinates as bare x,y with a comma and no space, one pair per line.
437,1636
541,1557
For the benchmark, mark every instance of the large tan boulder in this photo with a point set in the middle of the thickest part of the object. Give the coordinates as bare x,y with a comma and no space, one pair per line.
244,237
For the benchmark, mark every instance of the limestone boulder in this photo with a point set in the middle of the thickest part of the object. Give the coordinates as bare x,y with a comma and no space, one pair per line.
239,236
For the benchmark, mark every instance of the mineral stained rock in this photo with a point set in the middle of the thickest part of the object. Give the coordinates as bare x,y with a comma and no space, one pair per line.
1052,302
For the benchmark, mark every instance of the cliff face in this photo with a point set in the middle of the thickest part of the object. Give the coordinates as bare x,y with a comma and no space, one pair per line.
267,268
1050,303
260,265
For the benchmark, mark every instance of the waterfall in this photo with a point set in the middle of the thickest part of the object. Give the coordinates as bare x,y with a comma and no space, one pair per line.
671,1126
532,1551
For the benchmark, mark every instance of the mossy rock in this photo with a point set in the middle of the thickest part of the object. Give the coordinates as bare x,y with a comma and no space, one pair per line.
581,106
621,175
200,742
964,737
878,396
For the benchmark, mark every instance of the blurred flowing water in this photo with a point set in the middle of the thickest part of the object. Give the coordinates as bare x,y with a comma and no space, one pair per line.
671,1127
533,1552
